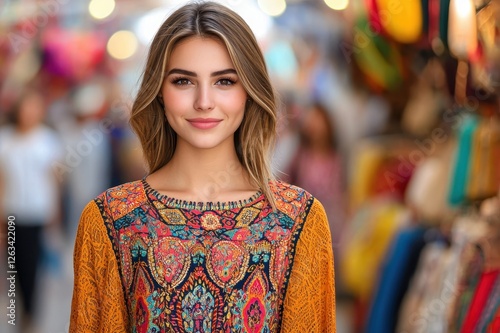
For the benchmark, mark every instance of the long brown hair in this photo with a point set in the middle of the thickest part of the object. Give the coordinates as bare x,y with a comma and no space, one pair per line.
255,137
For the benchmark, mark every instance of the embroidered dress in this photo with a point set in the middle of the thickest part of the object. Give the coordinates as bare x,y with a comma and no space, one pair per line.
145,262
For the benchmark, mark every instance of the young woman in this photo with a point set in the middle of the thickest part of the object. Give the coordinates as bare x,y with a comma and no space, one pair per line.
318,151
207,242
29,193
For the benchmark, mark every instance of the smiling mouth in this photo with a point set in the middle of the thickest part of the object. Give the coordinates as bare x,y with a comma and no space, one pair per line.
204,123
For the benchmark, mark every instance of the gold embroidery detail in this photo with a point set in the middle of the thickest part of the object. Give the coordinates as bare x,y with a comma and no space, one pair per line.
246,216
210,221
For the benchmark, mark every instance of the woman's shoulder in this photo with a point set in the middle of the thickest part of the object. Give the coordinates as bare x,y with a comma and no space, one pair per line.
291,199
121,199
131,187
282,189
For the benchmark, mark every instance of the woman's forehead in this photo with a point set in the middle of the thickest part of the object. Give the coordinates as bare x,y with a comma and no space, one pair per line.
200,55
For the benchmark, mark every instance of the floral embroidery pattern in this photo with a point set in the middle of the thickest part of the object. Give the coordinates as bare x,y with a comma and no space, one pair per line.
210,221
198,267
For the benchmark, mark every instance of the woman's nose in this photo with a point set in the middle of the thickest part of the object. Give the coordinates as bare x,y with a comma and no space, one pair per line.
204,98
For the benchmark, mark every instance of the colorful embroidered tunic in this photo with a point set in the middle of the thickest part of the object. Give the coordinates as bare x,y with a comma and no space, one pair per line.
145,262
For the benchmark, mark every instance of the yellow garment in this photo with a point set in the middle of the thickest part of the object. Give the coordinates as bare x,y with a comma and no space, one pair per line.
402,20
310,299
482,182
367,244
99,304
367,158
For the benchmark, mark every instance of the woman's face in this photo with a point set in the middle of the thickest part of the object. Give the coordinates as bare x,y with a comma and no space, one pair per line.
316,127
203,96
31,111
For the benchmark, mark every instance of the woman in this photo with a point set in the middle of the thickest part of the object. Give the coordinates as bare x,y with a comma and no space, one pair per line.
207,242
29,193
318,151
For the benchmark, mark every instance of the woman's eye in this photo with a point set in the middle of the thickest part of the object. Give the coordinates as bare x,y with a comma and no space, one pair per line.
181,82
225,82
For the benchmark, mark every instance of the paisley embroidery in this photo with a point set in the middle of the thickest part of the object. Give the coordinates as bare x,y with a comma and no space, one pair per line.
197,304
254,311
193,267
137,250
227,263
169,261
279,260
142,314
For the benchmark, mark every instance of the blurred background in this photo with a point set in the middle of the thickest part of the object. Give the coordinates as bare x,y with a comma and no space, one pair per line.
389,114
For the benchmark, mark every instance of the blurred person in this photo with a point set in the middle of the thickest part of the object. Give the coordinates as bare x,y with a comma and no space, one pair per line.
207,241
87,168
317,166
287,139
29,190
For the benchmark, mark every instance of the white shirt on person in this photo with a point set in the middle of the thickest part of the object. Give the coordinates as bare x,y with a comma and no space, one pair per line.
26,165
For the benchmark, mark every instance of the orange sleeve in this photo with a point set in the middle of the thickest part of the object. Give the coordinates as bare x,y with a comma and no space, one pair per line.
310,298
98,304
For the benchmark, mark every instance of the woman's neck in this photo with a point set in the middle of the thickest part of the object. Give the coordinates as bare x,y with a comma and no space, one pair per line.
26,129
203,175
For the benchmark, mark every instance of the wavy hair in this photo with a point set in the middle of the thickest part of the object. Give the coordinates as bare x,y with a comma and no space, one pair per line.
255,137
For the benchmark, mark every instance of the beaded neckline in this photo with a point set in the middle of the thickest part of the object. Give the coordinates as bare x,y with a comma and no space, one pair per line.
196,205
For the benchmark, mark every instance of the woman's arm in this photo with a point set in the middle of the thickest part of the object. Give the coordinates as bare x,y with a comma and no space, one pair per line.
98,303
310,298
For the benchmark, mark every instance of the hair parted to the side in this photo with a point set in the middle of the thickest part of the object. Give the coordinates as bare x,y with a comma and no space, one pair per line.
254,139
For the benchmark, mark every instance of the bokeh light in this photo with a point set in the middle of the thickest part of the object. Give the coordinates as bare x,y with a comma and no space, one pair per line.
272,7
122,45
100,9
337,4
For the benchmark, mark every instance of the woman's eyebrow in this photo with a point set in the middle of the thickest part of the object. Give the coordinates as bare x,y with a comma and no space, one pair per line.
181,71
223,72
193,74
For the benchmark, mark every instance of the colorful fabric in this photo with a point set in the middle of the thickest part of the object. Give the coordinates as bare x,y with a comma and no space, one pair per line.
145,262
483,176
479,301
490,316
461,173
369,236
396,271
478,296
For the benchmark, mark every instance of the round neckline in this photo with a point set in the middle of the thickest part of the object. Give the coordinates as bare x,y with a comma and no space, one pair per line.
199,205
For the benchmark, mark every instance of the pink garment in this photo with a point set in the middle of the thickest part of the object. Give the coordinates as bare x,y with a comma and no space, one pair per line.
320,174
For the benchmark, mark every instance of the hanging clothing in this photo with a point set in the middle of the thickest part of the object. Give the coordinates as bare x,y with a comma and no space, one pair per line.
483,179
478,304
395,274
367,239
146,262
460,174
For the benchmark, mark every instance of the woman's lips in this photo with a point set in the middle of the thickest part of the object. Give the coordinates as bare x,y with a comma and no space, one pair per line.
204,123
